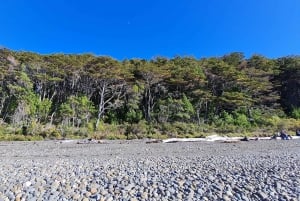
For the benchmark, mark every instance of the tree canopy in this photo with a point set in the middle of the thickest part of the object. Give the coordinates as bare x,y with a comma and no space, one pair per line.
87,91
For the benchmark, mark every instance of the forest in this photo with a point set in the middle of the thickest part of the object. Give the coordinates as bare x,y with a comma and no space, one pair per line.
60,96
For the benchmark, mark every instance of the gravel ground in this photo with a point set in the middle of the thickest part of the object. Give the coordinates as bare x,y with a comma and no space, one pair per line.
134,170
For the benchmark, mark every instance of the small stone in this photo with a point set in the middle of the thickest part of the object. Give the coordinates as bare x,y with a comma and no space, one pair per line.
76,197
27,184
145,185
171,190
179,195
249,188
144,195
278,185
191,194
93,190
262,195
286,196
180,183
272,193
11,196
200,191
217,187
55,184
131,192
211,178
161,188
229,193
237,189
226,198
129,187
103,192
109,199
87,194
245,198
18,197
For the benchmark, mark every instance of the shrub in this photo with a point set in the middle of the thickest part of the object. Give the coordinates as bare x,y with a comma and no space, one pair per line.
137,131
109,131
12,137
181,129
295,113
272,121
241,120
115,137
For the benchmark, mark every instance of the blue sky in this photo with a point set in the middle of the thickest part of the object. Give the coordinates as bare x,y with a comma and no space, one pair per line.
145,29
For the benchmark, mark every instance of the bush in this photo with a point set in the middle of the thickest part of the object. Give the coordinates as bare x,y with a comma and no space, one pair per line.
13,137
181,129
137,131
49,131
273,121
116,137
226,128
295,113
168,129
241,120
109,131
289,124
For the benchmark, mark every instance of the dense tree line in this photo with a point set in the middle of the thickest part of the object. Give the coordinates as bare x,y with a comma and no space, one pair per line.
59,94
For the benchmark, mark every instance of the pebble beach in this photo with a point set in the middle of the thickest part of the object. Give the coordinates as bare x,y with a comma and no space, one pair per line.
135,170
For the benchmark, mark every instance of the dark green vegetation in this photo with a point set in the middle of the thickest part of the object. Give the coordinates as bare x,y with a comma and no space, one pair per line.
59,95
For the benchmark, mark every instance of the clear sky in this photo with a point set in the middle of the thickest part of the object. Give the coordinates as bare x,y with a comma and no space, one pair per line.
148,28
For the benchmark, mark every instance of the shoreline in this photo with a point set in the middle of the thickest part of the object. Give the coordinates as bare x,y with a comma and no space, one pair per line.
134,170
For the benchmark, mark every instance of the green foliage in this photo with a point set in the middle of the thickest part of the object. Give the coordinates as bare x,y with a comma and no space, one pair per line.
241,120
137,131
175,109
227,118
187,106
19,138
105,131
180,129
295,113
232,122
77,110
115,137
274,121
134,115
234,58
43,109
288,82
257,117
61,95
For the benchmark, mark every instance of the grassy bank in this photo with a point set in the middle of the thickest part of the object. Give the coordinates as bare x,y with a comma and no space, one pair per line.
144,130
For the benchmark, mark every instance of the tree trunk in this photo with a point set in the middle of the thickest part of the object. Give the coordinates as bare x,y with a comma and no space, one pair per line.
101,105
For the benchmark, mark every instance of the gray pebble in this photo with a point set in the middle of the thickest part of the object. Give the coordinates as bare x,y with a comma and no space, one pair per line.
181,171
